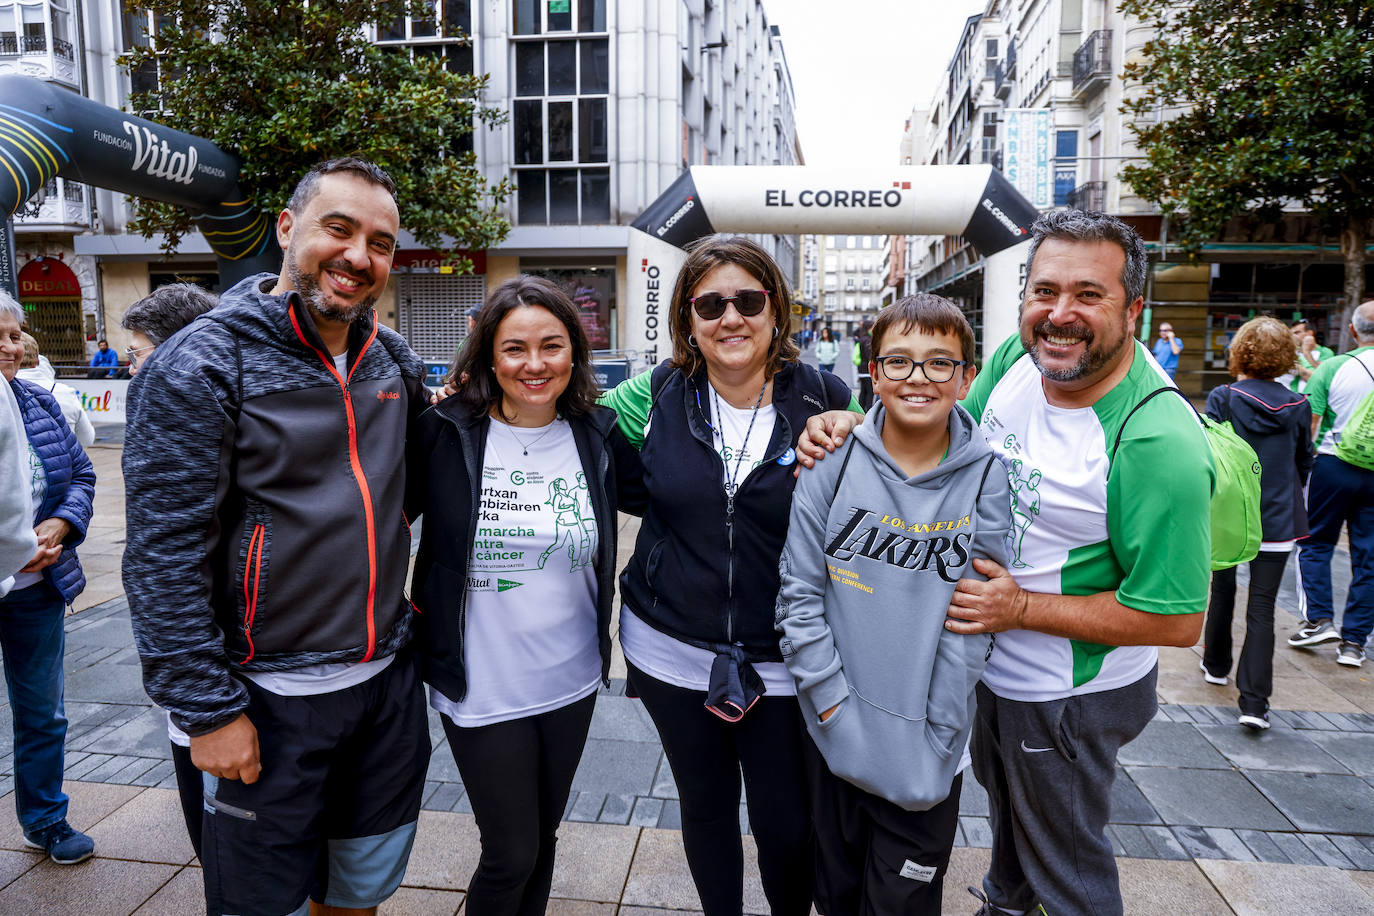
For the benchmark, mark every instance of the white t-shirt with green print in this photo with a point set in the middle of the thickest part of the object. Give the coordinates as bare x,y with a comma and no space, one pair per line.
1084,522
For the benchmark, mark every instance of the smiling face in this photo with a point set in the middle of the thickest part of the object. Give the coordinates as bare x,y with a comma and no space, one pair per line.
339,247
918,406
532,359
1075,321
11,346
732,344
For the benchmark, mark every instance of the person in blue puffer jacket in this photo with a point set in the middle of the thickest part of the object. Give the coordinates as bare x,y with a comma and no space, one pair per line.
61,485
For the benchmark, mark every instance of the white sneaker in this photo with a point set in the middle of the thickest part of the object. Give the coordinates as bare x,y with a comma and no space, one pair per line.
1258,723
1211,678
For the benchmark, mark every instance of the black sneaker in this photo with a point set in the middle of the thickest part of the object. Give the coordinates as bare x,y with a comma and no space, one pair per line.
1350,654
1314,634
63,845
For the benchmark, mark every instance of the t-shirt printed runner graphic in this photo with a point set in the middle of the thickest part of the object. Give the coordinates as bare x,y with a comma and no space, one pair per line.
530,632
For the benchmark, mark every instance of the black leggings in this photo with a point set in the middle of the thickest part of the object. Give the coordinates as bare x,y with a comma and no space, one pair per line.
706,754
518,775
1255,673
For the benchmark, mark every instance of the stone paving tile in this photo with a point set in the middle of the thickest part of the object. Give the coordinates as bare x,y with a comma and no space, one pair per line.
1153,886
184,894
609,766
1356,849
671,818
973,798
447,846
108,683
109,768
444,798
1129,840
1173,744
1275,749
617,809
1267,888
410,901
13,864
442,767
1294,849
136,768
148,828
143,734
1129,804
646,812
1206,798
96,886
563,907
622,719
664,784
1199,843
659,875
1354,750
587,806
1326,851
1166,845
1261,846
1321,802
977,831
593,861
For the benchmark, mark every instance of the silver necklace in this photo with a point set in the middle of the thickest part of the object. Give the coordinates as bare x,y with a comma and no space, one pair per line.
733,483
526,446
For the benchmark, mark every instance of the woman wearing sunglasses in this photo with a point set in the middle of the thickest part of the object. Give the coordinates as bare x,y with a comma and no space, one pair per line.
716,425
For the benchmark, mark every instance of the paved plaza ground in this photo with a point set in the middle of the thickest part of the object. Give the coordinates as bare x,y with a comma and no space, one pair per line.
1208,818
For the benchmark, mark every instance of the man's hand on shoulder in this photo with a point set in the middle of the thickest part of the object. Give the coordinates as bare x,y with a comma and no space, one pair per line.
824,432
229,752
987,607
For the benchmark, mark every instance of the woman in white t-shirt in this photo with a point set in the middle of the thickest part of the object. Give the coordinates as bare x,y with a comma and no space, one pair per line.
519,475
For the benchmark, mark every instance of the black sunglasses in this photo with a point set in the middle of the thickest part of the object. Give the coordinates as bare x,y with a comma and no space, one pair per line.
748,302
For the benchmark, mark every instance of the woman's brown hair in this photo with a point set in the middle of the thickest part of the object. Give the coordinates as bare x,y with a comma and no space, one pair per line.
1262,348
706,256
474,362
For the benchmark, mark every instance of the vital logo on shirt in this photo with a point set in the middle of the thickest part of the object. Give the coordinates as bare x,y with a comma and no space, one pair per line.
887,538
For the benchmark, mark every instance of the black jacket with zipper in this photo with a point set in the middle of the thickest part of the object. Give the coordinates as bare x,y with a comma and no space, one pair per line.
446,460
693,576
264,497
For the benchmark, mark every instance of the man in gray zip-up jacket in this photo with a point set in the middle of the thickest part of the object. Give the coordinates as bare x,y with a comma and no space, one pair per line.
879,536
266,560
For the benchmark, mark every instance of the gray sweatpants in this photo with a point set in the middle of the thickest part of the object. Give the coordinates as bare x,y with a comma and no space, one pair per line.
1048,770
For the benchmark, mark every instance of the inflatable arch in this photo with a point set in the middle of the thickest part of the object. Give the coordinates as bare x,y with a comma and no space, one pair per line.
975,201
48,132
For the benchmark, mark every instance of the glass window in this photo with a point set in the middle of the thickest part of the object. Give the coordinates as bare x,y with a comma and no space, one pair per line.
596,195
530,196
389,31
457,17
527,17
562,67
459,58
591,129
561,132
596,67
591,15
563,195
529,132
529,68
560,15
423,28
1066,144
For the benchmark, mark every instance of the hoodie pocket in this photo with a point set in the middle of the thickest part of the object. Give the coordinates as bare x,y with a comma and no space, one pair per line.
959,664
651,564
255,553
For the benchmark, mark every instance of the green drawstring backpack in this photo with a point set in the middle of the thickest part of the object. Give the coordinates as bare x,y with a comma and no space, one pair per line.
1355,444
1236,527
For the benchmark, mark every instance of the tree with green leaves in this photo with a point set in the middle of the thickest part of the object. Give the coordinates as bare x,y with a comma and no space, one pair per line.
286,84
1248,107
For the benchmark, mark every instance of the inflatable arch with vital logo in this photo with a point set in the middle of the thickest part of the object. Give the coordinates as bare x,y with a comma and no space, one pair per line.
976,202
48,132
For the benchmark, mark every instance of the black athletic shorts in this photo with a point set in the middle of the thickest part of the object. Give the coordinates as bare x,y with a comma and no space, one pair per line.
333,815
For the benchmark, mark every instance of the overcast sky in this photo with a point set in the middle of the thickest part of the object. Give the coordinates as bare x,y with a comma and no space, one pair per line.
859,66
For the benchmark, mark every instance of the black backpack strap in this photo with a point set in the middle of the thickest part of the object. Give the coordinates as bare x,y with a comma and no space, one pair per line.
1364,367
1143,401
657,380
987,469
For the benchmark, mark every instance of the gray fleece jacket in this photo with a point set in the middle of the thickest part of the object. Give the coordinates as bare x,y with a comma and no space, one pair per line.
867,574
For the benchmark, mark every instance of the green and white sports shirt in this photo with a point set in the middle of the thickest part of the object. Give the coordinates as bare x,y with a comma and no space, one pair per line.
1084,522
1335,389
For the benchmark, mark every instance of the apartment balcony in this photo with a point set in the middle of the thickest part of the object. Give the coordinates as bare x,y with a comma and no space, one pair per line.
37,56
1090,195
1092,63
61,206
1004,76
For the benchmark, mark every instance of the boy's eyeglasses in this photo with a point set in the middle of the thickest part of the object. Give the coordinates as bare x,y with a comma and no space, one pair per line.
748,302
936,369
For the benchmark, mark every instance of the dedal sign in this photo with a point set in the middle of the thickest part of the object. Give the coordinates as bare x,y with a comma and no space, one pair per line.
48,278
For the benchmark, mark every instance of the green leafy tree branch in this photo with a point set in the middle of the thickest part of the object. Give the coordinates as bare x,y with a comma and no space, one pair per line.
1250,107
284,85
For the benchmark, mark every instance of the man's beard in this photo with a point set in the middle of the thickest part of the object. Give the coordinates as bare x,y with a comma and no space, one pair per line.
1093,358
308,288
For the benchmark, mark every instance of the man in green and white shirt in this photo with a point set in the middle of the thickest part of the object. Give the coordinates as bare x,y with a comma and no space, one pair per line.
1111,560
1339,493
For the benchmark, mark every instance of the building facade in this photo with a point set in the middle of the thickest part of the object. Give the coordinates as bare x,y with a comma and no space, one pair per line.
1035,88
608,101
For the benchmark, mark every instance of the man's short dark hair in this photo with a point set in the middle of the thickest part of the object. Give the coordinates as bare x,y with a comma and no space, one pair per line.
310,184
166,310
1093,226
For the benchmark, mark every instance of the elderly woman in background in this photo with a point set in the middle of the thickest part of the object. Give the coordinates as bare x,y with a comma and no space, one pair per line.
716,426
61,486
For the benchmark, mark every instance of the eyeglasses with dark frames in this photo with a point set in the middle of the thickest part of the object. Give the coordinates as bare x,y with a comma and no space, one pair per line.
748,302
936,369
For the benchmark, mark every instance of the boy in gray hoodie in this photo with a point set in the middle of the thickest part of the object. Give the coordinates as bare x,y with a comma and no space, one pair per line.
879,536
